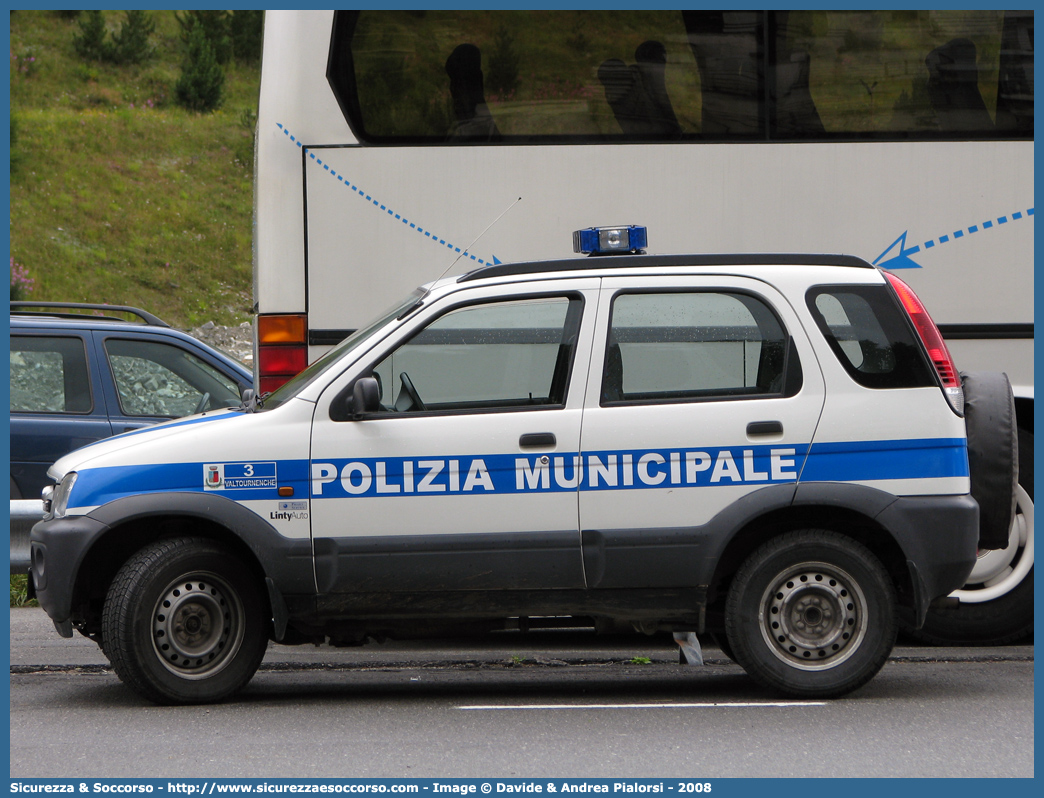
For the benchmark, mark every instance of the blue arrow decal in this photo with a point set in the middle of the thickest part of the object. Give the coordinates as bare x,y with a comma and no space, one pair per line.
902,259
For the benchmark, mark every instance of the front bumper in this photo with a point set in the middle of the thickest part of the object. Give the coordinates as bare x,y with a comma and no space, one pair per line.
57,548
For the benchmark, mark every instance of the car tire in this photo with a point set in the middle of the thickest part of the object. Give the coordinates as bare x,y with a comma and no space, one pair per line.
184,622
721,640
996,605
993,453
812,614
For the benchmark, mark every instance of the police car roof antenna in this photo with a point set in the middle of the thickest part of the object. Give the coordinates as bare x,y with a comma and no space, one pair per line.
465,251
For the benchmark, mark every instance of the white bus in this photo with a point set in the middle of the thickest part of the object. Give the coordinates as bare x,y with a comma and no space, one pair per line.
394,145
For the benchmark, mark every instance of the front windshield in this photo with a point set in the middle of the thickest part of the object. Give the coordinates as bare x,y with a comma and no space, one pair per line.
290,389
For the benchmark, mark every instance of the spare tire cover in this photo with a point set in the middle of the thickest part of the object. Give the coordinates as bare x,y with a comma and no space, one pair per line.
993,453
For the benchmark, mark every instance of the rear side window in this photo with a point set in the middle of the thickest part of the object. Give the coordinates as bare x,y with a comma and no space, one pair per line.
49,375
869,334
682,346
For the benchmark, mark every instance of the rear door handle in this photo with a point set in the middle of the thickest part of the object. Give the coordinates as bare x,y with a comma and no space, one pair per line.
765,428
537,439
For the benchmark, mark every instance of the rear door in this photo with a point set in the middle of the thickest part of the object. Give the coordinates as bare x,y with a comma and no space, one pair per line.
56,404
703,392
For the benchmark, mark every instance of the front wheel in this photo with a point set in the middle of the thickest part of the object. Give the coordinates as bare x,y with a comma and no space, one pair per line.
812,614
184,622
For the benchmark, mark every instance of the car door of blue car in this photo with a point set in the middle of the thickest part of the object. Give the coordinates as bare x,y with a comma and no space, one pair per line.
57,404
155,379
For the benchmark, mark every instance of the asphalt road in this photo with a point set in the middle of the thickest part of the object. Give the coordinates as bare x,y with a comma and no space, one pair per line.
558,705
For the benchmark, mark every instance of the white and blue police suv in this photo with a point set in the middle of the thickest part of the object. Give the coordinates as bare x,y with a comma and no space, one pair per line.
774,449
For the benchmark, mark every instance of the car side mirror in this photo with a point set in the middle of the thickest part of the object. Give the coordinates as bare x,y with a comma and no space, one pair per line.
366,397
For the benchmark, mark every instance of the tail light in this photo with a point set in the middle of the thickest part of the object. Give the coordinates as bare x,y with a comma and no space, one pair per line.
282,349
933,342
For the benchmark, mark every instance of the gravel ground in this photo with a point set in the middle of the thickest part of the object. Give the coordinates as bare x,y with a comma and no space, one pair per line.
235,341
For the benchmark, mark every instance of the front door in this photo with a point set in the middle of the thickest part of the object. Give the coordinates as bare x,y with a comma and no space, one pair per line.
466,478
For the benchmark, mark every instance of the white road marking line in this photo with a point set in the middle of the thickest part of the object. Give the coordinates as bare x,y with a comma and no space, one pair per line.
710,705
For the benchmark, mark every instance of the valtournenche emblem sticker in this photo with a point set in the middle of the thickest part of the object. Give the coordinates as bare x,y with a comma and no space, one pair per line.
239,476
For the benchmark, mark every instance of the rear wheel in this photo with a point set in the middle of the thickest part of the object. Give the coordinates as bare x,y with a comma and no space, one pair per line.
811,613
722,641
184,622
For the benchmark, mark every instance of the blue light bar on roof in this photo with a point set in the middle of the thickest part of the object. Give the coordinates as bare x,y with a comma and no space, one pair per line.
610,240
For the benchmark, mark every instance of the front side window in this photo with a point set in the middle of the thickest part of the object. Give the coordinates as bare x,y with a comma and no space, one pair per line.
154,379
504,355
49,375
667,347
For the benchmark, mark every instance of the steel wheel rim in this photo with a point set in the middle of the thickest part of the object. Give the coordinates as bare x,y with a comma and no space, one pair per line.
999,572
813,616
197,625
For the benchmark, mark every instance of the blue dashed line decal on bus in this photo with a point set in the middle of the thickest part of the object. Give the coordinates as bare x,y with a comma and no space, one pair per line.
362,194
902,259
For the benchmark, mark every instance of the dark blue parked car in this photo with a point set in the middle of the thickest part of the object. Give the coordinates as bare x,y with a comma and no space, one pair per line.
77,378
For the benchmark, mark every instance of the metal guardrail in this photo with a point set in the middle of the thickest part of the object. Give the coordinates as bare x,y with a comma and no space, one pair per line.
24,513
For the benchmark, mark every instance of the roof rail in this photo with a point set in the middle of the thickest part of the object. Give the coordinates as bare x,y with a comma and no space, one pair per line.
144,315
660,261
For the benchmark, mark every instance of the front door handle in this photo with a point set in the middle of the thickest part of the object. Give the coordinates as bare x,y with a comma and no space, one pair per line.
765,428
537,439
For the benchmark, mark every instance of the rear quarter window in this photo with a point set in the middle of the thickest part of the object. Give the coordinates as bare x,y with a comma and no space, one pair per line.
870,336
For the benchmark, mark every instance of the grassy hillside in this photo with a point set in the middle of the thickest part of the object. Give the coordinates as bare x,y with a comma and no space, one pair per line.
117,194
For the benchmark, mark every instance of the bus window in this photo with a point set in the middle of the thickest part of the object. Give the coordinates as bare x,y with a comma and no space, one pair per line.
588,76
933,73
436,76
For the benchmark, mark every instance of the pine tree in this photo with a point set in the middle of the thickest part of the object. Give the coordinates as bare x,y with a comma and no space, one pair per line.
202,80
502,72
131,44
246,29
215,26
91,44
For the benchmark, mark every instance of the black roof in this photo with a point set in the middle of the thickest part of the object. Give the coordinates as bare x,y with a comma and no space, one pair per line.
660,261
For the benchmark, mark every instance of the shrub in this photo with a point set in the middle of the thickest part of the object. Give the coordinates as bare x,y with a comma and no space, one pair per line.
90,43
24,64
202,80
131,44
21,283
243,148
20,591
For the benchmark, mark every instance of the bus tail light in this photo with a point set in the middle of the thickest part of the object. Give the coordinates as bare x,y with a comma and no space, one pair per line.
933,342
282,349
